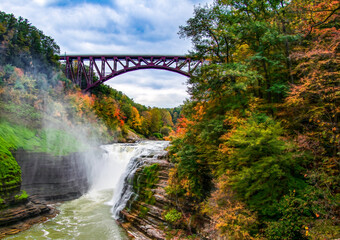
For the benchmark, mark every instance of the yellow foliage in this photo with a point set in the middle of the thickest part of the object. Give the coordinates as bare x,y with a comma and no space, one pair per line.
229,216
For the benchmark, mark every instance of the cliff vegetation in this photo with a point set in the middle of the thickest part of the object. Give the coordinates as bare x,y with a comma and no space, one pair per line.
257,149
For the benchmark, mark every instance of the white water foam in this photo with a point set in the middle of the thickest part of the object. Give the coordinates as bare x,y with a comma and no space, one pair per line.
124,188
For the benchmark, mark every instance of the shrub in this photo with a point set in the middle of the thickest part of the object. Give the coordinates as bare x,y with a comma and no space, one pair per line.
172,216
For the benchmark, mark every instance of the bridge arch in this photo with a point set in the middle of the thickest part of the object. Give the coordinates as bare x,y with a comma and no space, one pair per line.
79,67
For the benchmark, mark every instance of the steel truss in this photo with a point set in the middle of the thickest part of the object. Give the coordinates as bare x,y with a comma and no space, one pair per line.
82,69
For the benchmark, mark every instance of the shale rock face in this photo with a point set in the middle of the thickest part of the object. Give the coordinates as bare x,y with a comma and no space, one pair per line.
143,217
53,178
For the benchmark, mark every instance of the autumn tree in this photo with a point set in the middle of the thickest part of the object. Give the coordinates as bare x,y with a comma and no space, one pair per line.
24,46
156,120
255,52
135,120
312,106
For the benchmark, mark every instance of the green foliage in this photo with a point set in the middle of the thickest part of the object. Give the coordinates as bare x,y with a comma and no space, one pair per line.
165,131
158,135
143,210
156,120
293,211
26,47
265,167
250,34
172,216
2,203
192,178
144,181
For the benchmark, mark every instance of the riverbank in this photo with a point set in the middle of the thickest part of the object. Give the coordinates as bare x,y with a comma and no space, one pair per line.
20,218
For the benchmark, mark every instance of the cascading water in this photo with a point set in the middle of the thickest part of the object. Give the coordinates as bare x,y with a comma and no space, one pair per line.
90,217
124,189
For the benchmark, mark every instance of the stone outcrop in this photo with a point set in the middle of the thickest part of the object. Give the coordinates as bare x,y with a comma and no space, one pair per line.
24,215
144,217
149,224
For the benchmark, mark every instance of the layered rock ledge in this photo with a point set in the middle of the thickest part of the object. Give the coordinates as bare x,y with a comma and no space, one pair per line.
19,218
143,220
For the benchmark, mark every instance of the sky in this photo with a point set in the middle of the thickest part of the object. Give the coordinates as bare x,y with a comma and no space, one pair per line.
118,27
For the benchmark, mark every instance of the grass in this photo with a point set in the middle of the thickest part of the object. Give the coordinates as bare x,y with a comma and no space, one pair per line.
53,141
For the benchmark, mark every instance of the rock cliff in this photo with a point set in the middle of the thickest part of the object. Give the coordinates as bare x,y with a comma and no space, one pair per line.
151,213
53,178
143,216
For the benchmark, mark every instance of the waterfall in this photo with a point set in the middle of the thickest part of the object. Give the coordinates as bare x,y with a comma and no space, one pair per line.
105,171
132,156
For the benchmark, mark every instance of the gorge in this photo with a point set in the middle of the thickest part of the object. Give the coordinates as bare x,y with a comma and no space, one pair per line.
253,152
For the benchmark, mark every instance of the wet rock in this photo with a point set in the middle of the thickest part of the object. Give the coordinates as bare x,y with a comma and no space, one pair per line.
53,178
23,216
150,225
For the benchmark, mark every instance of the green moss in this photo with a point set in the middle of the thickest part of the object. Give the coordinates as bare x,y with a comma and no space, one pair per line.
22,196
10,172
59,142
143,211
52,141
143,183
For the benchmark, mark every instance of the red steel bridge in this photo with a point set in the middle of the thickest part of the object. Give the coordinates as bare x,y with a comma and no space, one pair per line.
81,69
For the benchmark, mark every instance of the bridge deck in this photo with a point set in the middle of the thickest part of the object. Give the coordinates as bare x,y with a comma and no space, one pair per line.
119,56
90,70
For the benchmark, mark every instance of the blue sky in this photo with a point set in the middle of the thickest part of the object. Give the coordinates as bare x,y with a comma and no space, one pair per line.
118,27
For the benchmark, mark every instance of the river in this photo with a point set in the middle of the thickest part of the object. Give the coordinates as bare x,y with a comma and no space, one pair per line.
91,216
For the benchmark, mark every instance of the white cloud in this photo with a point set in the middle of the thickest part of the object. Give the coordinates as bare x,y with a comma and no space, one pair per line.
119,27
165,90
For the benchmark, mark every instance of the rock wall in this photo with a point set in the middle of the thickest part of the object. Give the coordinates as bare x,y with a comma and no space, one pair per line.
152,214
53,178
143,218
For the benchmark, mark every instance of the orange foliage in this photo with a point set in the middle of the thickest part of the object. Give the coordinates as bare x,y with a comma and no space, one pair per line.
229,216
19,72
311,15
315,101
83,103
181,129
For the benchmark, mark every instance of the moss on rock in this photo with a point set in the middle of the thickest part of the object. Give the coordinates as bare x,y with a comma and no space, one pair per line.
143,183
